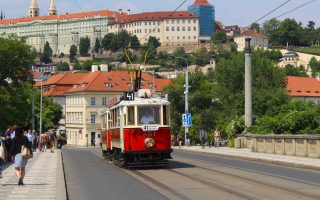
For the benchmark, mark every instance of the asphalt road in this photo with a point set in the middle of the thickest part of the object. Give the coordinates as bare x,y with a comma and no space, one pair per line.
294,174
189,176
88,176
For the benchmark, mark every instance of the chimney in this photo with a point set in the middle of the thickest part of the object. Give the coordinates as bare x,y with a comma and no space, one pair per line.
94,68
128,11
120,11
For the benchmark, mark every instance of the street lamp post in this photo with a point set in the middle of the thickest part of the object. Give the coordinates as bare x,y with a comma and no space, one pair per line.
40,120
186,92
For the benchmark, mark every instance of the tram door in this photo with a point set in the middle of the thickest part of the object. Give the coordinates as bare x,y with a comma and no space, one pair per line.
93,138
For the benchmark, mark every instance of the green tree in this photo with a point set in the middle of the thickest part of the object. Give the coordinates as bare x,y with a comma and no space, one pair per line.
106,41
73,53
315,66
84,46
291,70
179,53
97,46
120,41
135,43
201,56
63,66
219,37
46,54
270,28
154,41
255,27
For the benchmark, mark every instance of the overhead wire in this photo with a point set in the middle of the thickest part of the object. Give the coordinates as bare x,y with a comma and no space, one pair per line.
273,10
175,10
78,5
296,8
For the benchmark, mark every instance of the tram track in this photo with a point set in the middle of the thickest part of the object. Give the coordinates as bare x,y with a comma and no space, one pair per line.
251,180
173,193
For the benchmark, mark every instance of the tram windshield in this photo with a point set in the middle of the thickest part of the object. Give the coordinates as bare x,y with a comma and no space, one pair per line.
149,114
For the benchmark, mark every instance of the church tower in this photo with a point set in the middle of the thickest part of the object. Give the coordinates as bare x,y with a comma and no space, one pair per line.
52,9
34,9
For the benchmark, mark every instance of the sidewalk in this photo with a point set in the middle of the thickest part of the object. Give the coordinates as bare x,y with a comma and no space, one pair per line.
246,154
44,179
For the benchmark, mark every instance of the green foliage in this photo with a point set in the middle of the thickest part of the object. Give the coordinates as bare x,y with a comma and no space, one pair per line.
201,57
219,37
106,42
46,54
73,53
291,70
97,46
255,27
314,50
179,53
84,46
154,41
315,66
135,43
63,66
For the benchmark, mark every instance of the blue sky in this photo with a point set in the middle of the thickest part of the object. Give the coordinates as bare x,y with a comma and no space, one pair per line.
241,12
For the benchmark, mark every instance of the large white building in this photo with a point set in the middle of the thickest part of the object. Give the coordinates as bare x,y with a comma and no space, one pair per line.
170,28
61,31
258,40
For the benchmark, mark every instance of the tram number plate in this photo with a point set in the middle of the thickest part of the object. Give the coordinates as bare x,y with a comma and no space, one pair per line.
129,96
150,128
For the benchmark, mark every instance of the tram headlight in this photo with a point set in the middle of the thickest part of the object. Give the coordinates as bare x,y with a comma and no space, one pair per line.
149,143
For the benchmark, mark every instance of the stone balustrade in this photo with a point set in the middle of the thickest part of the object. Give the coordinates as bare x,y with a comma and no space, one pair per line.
291,145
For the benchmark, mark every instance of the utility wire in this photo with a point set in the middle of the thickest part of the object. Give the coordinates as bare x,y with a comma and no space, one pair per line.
78,5
296,8
175,10
284,3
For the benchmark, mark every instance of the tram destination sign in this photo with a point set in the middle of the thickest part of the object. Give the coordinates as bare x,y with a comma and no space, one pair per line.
187,120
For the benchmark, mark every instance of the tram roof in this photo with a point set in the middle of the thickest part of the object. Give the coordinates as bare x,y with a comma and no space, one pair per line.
143,101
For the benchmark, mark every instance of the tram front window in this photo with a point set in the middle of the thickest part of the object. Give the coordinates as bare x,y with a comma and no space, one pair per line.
149,115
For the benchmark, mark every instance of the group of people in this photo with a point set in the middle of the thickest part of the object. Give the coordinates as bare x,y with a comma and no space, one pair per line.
15,140
203,138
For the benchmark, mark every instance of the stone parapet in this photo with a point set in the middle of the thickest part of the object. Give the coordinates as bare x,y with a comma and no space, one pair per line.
291,145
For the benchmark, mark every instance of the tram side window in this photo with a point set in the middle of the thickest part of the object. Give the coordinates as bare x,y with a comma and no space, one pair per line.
149,115
165,115
130,114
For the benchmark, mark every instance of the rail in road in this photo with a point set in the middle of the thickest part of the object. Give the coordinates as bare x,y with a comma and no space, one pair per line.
188,178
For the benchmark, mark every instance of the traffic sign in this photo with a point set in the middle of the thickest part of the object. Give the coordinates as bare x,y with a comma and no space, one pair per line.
187,120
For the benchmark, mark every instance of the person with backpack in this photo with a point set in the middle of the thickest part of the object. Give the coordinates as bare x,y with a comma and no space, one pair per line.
20,161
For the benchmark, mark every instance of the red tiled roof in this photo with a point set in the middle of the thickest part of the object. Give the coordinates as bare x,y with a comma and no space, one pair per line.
253,33
152,16
80,15
303,86
218,26
36,75
201,2
119,81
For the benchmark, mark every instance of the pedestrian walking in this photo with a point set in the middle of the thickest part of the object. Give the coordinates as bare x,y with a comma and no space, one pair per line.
7,136
203,137
179,140
19,161
172,140
52,140
217,137
43,142
34,140
2,154
187,139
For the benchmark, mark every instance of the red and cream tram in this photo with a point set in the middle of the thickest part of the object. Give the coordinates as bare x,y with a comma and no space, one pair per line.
136,130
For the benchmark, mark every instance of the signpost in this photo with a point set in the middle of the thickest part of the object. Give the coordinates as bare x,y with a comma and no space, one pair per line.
187,120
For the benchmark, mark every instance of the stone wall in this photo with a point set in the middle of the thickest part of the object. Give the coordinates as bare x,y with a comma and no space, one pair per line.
291,145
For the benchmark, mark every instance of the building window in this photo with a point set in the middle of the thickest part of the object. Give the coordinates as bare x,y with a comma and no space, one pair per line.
172,21
167,28
189,28
178,28
183,28
93,101
93,119
158,30
195,28
104,101
172,28
178,37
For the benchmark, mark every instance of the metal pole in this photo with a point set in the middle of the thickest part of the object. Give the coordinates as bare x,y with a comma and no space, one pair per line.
248,83
40,130
186,92
32,112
